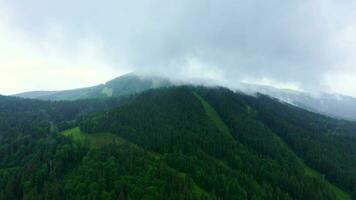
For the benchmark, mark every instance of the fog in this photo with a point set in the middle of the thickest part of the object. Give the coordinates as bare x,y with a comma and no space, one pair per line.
299,44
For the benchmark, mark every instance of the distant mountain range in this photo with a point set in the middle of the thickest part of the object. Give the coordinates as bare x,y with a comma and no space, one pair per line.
334,105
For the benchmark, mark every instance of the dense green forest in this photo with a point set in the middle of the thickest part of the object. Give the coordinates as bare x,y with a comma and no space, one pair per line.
173,143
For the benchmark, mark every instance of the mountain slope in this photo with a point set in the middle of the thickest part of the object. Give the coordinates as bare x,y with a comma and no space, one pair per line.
334,105
123,85
173,143
326,144
174,122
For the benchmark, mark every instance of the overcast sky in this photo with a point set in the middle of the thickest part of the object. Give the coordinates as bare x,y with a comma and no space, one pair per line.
301,44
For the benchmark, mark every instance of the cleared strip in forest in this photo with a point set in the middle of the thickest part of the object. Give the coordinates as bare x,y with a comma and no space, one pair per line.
214,116
340,194
222,127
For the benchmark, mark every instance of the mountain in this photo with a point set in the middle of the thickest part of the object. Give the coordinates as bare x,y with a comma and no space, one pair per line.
174,143
334,105
123,85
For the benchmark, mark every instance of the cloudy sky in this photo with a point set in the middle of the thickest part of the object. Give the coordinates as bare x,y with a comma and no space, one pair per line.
302,44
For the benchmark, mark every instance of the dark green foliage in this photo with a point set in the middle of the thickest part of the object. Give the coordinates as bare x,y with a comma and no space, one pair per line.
173,122
178,143
30,151
326,144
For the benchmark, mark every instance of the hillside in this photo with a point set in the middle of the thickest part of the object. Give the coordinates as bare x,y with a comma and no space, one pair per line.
242,135
123,85
334,105
175,143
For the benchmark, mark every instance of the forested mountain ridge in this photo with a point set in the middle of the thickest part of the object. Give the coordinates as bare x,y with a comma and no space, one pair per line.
236,110
124,85
334,105
176,143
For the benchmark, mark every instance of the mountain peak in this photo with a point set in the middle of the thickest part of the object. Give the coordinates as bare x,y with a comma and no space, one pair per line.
123,85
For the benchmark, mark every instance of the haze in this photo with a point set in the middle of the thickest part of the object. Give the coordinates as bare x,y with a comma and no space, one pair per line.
300,44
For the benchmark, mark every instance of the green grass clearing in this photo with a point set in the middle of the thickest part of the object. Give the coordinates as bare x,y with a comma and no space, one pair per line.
95,140
107,91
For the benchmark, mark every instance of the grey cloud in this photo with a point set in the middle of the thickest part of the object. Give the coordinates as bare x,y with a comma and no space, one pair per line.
287,41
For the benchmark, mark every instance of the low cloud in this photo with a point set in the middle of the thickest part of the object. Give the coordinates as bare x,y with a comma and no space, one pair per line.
50,63
302,44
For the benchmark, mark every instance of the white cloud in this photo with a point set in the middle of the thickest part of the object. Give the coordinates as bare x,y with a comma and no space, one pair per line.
301,44
51,63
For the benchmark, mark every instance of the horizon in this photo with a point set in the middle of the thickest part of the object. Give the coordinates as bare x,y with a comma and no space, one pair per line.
198,82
